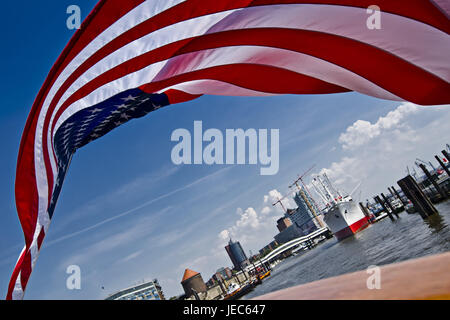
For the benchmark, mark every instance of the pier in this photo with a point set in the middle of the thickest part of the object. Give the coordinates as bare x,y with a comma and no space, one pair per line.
419,194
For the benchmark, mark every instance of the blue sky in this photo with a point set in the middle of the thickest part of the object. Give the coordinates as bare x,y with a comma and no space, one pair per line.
127,213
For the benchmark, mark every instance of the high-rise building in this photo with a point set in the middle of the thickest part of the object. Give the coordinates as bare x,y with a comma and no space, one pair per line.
301,221
237,255
150,290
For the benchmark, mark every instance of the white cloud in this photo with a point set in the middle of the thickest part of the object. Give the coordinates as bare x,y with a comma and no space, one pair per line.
249,218
131,256
266,210
362,132
224,234
377,153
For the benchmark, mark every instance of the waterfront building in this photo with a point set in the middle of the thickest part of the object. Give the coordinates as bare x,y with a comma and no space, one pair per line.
150,290
289,234
225,272
211,282
237,255
269,247
303,217
218,277
192,280
283,223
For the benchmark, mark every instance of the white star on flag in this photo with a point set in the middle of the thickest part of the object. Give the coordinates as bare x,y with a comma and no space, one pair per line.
130,97
95,110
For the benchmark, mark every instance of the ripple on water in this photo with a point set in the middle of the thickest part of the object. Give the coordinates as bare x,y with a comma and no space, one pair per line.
382,243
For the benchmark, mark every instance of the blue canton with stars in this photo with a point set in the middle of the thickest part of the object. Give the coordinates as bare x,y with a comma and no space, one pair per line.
91,123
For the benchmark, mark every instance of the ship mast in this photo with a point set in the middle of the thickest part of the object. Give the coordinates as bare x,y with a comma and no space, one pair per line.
319,192
328,194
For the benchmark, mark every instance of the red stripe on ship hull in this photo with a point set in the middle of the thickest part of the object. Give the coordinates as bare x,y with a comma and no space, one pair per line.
352,229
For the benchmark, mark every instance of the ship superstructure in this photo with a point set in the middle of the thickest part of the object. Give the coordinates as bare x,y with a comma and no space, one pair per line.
341,214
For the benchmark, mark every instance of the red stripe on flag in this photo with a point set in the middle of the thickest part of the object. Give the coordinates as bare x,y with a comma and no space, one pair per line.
26,269
15,275
253,77
177,96
40,238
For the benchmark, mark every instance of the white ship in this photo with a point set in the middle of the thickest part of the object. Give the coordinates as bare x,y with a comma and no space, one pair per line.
341,214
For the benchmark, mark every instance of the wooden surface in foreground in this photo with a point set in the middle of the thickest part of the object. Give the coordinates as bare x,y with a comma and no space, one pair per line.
422,278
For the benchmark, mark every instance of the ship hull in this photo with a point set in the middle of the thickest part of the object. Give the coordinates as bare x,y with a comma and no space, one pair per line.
345,219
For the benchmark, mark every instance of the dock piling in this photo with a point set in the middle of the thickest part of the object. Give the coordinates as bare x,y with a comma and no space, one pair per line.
391,192
433,181
414,193
385,209
442,165
389,204
445,153
398,196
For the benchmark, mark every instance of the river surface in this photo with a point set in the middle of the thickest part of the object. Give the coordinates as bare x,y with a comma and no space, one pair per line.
382,243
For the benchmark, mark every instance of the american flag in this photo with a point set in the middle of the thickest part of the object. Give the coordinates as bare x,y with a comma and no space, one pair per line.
132,57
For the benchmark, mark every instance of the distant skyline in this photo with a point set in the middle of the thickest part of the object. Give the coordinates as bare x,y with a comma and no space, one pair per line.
127,213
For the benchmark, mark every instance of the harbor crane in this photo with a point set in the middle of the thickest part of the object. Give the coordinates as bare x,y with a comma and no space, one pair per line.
300,178
280,201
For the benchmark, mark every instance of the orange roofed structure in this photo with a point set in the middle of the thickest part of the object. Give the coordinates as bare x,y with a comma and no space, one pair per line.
192,280
188,273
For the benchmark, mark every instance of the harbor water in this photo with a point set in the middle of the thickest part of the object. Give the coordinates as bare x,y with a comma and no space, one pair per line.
382,243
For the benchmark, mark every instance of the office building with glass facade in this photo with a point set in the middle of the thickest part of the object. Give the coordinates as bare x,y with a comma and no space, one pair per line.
237,255
150,290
